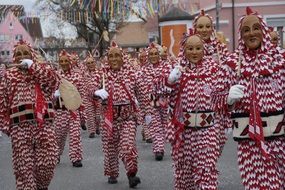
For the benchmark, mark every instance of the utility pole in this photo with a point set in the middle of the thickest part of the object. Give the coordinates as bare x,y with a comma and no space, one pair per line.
217,15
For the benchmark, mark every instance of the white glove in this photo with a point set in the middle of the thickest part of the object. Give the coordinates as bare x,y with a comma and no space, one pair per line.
102,93
56,93
27,63
235,94
228,131
147,119
175,74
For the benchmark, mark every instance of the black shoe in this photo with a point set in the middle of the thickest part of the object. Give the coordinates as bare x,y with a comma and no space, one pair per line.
134,181
112,180
97,131
148,141
77,164
83,126
158,156
92,135
143,136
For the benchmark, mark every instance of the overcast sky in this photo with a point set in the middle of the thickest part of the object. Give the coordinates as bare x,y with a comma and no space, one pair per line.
27,3
49,24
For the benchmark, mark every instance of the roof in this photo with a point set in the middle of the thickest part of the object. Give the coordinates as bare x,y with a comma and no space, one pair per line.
33,26
133,34
17,10
176,13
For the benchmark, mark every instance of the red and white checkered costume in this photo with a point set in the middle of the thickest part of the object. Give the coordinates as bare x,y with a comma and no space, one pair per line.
93,106
266,67
192,131
151,79
34,147
81,69
219,52
67,122
143,62
121,142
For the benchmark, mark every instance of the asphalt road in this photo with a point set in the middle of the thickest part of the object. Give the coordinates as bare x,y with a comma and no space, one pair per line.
154,175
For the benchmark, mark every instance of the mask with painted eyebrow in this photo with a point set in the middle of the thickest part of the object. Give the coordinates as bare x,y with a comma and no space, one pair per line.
204,27
22,52
194,50
251,32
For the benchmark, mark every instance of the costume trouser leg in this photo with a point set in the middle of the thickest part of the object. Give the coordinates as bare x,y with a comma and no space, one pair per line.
224,122
146,131
65,124
259,173
61,124
196,159
98,113
120,145
75,145
90,112
127,146
157,132
34,155
111,152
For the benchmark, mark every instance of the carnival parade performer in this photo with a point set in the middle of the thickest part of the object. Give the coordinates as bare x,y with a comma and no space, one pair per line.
80,68
143,60
193,132
26,115
153,100
67,121
203,25
251,85
119,128
92,106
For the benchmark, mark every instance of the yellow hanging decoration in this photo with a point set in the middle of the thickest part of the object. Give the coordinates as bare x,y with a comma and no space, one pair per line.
112,8
99,4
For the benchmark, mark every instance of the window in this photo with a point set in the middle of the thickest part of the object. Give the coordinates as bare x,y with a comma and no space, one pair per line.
2,37
11,26
8,53
2,53
19,37
6,38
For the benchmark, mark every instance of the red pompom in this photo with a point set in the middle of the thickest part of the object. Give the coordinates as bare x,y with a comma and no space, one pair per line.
249,11
114,44
191,31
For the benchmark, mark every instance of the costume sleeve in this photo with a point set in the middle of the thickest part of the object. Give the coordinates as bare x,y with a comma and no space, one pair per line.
46,77
4,109
223,51
95,83
225,79
82,88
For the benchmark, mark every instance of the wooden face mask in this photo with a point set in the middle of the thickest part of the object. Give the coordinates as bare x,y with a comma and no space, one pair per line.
90,63
204,27
22,52
153,56
251,32
115,58
194,50
64,63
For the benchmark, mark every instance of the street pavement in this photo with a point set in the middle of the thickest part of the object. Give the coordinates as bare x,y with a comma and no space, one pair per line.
154,175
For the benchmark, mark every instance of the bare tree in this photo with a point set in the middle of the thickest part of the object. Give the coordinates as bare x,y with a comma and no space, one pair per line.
94,25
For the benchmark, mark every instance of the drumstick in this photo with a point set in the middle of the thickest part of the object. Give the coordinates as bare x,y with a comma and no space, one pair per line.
60,103
239,63
104,87
14,65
